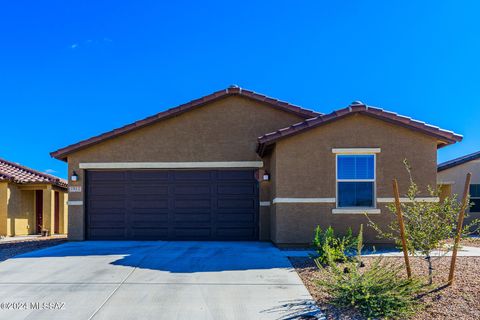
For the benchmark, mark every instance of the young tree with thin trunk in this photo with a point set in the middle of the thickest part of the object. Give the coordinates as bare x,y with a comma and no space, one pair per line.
427,224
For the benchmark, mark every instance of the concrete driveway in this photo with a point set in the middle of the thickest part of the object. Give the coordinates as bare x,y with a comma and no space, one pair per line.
153,280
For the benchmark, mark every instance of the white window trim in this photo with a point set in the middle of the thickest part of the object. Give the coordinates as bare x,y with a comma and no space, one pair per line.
374,180
355,211
356,150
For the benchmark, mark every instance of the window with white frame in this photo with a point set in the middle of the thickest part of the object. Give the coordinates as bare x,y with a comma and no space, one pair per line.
355,180
475,197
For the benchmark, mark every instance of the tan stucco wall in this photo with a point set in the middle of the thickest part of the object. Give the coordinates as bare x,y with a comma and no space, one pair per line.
17,209
21,217
455,176
63,213
3,208
305,168
225,130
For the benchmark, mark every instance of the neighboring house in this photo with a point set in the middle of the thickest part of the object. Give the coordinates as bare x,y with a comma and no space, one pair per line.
451,179
31,201
237,165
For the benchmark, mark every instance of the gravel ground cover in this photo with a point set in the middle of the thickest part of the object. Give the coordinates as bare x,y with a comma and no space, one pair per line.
11,249
471,242
460,301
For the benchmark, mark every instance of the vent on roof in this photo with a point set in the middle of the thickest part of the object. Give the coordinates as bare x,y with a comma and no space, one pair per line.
233,86
357,103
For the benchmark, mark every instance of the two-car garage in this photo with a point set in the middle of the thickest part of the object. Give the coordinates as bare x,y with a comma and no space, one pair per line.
172,205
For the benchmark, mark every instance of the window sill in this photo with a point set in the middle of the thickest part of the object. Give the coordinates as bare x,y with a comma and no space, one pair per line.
355,211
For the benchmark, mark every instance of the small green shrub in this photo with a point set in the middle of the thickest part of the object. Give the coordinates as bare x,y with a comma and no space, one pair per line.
331,248
377,291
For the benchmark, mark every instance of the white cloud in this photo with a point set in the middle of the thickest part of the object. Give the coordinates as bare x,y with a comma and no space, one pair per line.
91,42
50,171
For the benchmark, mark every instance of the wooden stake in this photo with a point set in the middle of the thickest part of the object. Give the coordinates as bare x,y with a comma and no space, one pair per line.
459,227
402,227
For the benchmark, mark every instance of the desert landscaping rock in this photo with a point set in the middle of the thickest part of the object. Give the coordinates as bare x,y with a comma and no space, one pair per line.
460,301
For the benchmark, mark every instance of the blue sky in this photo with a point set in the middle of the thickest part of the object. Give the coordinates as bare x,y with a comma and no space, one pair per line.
71,70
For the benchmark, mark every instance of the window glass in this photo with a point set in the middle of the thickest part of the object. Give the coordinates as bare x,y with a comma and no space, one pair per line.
355,167
475,197
355,194
475,190
355,180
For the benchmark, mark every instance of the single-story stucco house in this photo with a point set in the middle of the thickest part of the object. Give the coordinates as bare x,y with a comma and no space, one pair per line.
237,165
31,201
451,179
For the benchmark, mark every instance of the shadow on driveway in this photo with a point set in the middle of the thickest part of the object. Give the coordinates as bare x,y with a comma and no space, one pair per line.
175,256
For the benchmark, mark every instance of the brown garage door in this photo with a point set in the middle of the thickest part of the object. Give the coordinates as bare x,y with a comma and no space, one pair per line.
172,205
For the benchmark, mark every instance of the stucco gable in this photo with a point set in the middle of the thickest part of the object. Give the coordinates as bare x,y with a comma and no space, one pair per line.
62,153
444,137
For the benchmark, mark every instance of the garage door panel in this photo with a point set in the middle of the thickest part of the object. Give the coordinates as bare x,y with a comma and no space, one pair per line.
236,203
106,204
108,176
192,189
235,233
107,233
193,203
236,217
233,175
107,217
193,233
172,205
192,175
146,189
106,189
148,175
152,217
150,233
191,217
149,204
236,189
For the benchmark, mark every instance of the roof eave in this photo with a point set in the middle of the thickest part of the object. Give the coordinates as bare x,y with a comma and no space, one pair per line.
271,138
61,154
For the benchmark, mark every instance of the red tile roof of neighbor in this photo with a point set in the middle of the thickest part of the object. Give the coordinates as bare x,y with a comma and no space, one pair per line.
14,172
231,91
444,137
458,161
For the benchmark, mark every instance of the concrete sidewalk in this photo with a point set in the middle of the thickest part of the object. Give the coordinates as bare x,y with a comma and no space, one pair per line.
464,251
154,280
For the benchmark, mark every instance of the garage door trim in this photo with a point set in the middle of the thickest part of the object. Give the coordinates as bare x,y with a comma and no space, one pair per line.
171,165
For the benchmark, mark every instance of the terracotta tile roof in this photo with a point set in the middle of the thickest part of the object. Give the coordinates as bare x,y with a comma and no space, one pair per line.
458,161
445,137
62,153
14,172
